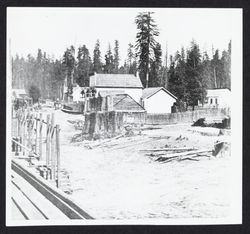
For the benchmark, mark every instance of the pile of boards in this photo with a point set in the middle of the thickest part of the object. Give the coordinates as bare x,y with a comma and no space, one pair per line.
169,154
178,154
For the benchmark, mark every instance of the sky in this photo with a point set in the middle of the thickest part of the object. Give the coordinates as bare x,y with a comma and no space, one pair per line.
55,29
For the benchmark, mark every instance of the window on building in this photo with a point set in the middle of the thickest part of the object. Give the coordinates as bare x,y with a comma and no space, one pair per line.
211,101
216,101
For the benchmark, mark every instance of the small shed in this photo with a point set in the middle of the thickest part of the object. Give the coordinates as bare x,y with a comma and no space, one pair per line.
157,100
20,98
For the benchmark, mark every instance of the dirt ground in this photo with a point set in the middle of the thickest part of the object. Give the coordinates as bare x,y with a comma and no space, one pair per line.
116,180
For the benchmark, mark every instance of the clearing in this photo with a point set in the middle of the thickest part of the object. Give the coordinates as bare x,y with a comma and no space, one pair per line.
114,179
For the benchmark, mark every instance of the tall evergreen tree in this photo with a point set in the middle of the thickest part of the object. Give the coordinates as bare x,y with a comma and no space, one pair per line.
145,43
195,85
164,73
57,77
131,60
97,64
207,72
155,78
109,61
69,64
116,57
226,67
216,67
177,76
84,66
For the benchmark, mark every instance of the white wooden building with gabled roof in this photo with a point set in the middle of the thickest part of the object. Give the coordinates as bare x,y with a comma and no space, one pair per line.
157,100
117,84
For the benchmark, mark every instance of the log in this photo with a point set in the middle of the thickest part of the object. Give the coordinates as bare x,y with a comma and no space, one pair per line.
105,141
175,155
188,158
170,149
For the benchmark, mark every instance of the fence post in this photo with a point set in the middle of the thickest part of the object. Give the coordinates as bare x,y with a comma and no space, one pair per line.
19,123
36,142
24,131
19,126
29,130
41,137
58,154
16,146
48,141
53,145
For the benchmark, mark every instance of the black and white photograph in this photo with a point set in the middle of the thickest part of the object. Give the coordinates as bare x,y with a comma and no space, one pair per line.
123,116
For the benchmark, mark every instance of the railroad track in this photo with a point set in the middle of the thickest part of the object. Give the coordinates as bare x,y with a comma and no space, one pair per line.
34,199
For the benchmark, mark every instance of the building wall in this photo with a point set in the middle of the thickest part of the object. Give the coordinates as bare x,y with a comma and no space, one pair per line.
161,102
135,93
221,101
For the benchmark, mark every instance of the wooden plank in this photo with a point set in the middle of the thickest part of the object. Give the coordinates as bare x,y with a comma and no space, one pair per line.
170,149
175,155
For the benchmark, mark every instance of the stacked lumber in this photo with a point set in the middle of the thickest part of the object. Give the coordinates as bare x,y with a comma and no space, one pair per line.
178,154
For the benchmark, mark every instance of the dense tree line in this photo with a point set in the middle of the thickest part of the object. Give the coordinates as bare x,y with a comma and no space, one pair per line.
190,73
76,66
187,74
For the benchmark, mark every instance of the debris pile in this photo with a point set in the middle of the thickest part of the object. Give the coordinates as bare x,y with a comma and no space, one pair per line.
168,154
215,123
178,154
78,124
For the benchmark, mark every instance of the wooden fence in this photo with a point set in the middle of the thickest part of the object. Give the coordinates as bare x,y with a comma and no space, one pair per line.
187,116
40,139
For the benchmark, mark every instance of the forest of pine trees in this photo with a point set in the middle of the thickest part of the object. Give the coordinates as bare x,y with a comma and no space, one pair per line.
187,73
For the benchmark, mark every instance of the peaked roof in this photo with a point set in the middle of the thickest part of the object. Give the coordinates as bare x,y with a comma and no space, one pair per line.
148,92
19,93
115,80
124,102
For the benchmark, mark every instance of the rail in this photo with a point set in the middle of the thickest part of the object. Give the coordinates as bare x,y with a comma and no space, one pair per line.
56,197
